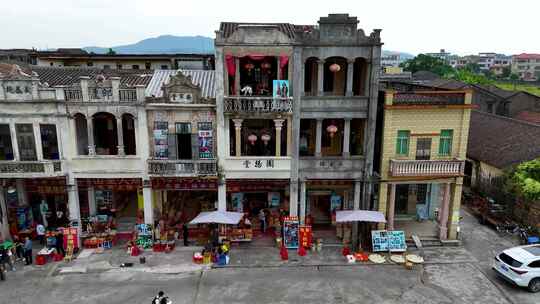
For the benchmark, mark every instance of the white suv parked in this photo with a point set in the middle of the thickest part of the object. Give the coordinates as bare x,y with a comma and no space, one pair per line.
521,266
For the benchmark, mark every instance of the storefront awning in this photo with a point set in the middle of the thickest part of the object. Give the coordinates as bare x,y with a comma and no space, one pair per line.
218,217
360,216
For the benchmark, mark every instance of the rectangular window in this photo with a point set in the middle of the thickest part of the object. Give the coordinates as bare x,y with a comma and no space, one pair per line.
357,136
135,66
307,137
183,140
6,149
164,67
147,65
402,145
49,142
27,144
445,144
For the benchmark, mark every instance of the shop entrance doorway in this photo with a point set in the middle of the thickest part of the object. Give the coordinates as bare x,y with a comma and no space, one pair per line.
320,211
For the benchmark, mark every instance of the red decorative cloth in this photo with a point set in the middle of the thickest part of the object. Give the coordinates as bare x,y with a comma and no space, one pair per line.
284,254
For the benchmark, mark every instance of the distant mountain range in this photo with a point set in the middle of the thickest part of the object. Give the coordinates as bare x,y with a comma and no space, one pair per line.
168,44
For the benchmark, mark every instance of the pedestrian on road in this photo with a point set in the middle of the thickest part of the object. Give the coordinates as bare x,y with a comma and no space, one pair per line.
40,229
28,251
262,218
185,234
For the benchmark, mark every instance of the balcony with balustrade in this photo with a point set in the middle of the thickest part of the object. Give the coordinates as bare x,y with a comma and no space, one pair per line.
31,169
258,104
99,90
427,168
181,168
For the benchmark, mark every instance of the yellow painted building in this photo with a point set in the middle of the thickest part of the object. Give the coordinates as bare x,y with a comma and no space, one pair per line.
422,161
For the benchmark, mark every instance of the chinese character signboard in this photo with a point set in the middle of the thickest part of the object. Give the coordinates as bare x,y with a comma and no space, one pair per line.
258,163
393,241
290,232
305,236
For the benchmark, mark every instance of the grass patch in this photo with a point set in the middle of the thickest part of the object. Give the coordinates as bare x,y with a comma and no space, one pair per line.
532,89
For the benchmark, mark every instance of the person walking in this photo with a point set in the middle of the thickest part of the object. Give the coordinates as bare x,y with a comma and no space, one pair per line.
28,251
262,218
40,229
185,234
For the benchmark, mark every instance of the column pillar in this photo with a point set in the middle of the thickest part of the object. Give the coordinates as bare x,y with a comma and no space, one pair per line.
92,208
148,204
293,198
238,136
356,206
4,227
318,138
37,140
222,195
279,68
350,69
237,76
14,142
74,207
302,201
320,77
278,123
90,129
391,207
120,135
346,137
443,225
289,136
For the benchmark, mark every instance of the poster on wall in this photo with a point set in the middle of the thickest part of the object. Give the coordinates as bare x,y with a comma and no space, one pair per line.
393,241
237,201
306,236
205,144
273,199
161,131
290,231
335,202
281,89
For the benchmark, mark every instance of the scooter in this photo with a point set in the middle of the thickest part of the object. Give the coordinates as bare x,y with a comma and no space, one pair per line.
525,237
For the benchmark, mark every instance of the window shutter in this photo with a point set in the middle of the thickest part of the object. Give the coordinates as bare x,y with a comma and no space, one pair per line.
171,140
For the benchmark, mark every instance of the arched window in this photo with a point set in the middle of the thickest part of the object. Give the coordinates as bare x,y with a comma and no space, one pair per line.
81,132
105,134
335,76
128,132
310,76
359,77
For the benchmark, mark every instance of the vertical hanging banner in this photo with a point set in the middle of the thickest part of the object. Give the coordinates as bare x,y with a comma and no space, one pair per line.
290,231
281,89
161,131
306,236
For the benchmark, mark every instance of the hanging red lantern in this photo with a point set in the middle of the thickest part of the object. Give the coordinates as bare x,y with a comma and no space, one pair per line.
252,138
332,129
334,68
249,66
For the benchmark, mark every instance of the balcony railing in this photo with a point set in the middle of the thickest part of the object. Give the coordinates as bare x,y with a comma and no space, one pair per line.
44,167
255,104
400,168
128,95
182,167
73,95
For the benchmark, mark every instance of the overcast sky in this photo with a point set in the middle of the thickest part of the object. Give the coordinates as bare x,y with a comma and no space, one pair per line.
414,26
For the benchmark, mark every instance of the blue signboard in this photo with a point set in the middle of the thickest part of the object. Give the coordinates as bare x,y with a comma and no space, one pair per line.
393,241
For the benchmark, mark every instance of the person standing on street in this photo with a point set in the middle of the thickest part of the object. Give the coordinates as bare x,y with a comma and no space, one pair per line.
60,242
28,251
262,218
40,229
185,234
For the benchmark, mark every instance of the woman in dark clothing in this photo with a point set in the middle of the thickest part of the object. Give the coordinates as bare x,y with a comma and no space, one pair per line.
60,242
185,234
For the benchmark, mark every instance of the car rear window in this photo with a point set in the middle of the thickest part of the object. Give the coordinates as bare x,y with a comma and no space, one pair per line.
509,260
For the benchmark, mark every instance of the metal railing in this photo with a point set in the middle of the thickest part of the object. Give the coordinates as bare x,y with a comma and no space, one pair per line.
128,95
73,95
255,104
427,167
182,167
45,167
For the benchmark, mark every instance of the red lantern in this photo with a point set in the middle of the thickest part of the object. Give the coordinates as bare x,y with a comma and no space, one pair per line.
252,138
332,129
249,66
334,68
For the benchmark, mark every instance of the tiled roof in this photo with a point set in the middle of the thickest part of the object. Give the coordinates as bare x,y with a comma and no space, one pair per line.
66,76
532,117
527,56
419,98
500,141
202,78
425,75
228,28
16,70
504,94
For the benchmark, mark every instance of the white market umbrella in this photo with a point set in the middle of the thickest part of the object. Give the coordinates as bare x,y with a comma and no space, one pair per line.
218,217
359,216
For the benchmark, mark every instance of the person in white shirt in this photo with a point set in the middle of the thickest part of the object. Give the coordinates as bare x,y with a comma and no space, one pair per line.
40,230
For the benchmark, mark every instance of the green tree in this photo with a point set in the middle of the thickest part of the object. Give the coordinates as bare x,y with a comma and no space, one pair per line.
111,52
472,67
506,72
526,179
514,78
427,63
470,77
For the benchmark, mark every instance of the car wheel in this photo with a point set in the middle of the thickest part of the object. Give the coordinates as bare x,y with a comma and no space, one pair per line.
534,285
